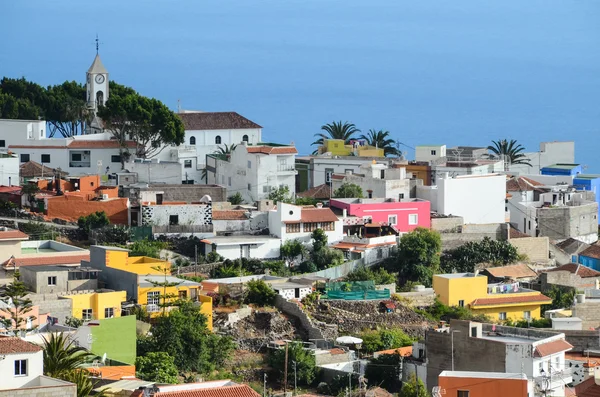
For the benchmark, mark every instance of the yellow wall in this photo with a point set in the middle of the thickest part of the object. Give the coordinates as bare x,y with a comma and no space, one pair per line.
451,290
135,264
370,151
337,148
513,312
206,301
97,301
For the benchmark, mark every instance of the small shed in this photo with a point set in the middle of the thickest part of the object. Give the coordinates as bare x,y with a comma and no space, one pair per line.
292,290
567,324
387,306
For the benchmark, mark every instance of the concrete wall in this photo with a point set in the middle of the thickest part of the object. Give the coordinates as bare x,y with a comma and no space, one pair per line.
569,221
419,298
589,313
168,172
446,224
257,221
292,309
52,304
190,193
566,279
536,248
188,215
583,340
550,153
44,391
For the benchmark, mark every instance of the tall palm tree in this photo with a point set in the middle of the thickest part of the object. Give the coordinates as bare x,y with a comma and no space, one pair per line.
336,130
225,149
62,356
510,151
380,139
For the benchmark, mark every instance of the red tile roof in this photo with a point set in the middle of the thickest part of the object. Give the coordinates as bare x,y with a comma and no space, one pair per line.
31,169
587,388
14,345
593,251
272,149
318,192
112,144
554,347
508,299
521,184
215,121
576,268
46,260
229,215
10,189
513,271
336,350
13,235
403,351
514,233
312,215
224,391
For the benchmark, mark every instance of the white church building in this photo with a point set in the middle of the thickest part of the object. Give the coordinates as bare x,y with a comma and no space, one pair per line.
97,153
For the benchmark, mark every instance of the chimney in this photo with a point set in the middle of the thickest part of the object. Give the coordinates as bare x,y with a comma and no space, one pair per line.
345,213
319,205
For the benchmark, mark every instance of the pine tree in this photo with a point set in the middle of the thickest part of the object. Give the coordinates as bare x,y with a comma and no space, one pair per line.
15,296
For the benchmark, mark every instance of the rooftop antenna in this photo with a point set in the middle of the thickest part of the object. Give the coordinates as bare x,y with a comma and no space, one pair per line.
457,152
97,41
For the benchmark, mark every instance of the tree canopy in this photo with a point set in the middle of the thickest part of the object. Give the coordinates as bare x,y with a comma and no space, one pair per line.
336,130
464,258
510,151
260,293
385,371
418,256
382,140
157,367
15,294
306,370
348,190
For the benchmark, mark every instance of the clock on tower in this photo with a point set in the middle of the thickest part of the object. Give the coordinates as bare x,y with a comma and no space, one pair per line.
97,84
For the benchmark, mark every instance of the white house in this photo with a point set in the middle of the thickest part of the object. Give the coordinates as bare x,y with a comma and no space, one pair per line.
292,290
9,169
429,153
558,212
155,171
479,199
379,181
22,371
290,222
549,153
205,133
254,171
243,246
174,217
319,169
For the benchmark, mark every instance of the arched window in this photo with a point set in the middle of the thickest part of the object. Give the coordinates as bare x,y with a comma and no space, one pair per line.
245,138
218,139
99,98
193,140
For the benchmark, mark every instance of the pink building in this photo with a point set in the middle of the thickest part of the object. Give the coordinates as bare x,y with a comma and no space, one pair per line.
33,318
404,215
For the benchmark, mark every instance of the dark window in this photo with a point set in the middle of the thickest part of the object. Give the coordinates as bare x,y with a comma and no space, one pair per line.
115,158
183,294
218,139
292,228
382,174
86,314
109,312
20,367
244,138
249,187
401,196
529,224
45,158
462,393
173,219
52,280
24,158
474,332
296,293
370,194
2,143
75,156
193,140
187,163
461,303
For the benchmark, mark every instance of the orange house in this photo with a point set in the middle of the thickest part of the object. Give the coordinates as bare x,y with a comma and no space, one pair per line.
482,384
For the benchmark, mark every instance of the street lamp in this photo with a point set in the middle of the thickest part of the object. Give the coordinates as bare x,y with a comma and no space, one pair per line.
452,339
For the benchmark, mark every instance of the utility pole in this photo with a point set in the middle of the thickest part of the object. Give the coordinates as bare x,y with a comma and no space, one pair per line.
285,369
265,385
196,260
295,379
349,384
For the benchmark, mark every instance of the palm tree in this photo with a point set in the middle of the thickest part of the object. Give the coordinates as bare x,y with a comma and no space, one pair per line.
510,151
85,386
380,139
225,150
62,356
336,131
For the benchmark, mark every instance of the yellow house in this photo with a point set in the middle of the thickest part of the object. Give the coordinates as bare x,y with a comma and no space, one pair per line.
97,305
140,276
498,301
337,147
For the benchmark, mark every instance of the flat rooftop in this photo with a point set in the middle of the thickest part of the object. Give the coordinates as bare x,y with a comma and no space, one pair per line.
484,375
458,275
562,166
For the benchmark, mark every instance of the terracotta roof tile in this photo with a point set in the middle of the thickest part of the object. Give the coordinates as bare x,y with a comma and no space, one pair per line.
215,121
403,351
11,189
85,144
576,268
272,149
336,350
593,251
17,345
47,260
224,391
521,184
13,235
587,388
571,245
554,347
312,215
318,192
229,215
508,299
513,271
514,233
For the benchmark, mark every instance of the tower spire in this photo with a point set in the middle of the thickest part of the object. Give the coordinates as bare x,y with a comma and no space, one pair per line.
97,44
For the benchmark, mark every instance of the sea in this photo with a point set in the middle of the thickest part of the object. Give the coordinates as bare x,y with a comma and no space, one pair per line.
454,72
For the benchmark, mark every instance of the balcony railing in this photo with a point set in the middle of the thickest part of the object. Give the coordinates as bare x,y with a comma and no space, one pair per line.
555,379
285,168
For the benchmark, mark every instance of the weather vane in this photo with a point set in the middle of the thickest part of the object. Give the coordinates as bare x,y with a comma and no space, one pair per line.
97,44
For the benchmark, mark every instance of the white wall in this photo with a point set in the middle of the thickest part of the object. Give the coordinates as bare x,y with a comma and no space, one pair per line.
205,140
156,172
35,368
439,171
289,293
393,184
320,165
288,212
189,214
268,249
550,153
479,200
429,152
21,132
9,171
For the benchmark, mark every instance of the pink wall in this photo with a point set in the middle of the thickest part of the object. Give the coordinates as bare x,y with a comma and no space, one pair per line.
379,212
40,319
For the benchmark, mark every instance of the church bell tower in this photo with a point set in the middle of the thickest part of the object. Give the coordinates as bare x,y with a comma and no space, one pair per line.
96,83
